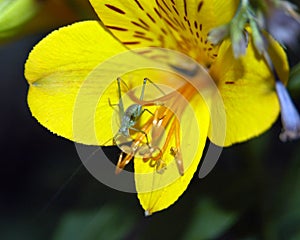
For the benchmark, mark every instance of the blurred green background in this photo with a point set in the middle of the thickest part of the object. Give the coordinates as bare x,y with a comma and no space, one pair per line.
252,193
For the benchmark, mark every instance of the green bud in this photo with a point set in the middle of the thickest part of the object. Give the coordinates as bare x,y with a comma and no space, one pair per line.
218,34
257,36
238,35
14,13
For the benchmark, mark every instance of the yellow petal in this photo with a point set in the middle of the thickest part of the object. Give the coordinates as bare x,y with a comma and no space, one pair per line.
180,25
247,87
157,190
56,69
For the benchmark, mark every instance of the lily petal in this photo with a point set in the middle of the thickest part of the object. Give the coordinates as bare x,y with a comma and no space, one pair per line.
158,190
180,25
56,69
247,86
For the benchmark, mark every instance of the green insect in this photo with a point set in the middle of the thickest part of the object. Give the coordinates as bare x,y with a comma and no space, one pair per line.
130,116
128,119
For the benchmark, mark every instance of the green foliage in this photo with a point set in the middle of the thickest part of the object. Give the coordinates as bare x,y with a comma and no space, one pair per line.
209,221
13,14
110,222
284,222
294,80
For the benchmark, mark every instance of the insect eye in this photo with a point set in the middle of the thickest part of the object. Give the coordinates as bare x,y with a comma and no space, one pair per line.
132,118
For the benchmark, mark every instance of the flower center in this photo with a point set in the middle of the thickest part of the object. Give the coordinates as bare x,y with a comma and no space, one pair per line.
159,135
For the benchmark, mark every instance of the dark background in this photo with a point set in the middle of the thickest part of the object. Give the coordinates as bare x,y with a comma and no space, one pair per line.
252,193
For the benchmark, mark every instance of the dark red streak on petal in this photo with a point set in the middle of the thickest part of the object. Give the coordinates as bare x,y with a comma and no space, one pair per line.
139,25
200,6
151,18
185,7
145,24
196,24
166,5
116,28
143,37
140,6
175,9
131,43
161,8
118,10
139,33
157,12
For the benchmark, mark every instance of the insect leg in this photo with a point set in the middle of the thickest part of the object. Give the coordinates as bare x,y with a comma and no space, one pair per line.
121,105
141,131
157,87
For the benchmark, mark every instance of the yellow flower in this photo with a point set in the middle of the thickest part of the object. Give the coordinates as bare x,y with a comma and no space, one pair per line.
70,92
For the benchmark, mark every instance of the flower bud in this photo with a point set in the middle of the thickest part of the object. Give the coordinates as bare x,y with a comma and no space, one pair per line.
289,115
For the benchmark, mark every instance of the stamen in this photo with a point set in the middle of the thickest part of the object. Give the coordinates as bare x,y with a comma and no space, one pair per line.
123,162
178,156
169,110
289,115
161,166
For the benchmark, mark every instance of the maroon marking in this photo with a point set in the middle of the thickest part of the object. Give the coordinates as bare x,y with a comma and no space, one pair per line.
176,22
161,7
145,24
144,51
201,27
131,43
229,82
170,24
140,6
188,22
166,5
175,9
118,10
164,31
196,24
139,25
200,6
151,18
157,12
185,8
181,24
143,37
116,28
140,33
